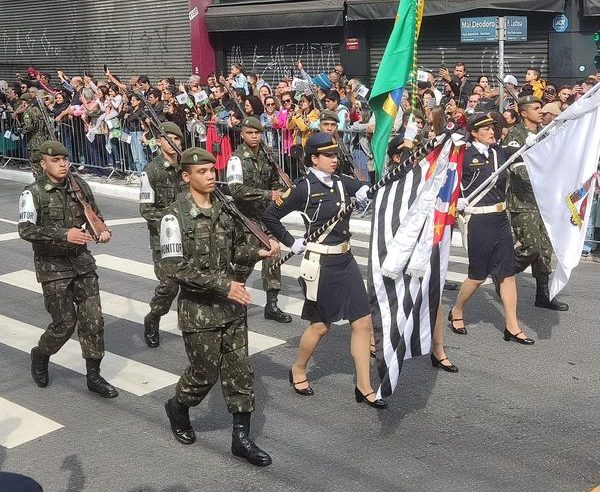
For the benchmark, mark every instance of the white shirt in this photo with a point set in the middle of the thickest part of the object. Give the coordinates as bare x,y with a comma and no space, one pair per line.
481,148
323,177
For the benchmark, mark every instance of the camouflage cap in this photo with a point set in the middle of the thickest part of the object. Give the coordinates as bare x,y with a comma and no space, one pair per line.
27,97
196,156
524,101
328,115
172,128
252,122
53,148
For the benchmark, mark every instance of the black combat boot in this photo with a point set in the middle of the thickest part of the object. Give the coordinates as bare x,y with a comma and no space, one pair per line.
97,383
151,335
39,367
272,311
179,417
243,446
542,296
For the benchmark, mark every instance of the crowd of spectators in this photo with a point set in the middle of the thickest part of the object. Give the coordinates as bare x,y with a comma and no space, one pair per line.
104,122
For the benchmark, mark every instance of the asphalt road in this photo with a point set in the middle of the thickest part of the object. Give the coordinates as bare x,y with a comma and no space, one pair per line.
513,418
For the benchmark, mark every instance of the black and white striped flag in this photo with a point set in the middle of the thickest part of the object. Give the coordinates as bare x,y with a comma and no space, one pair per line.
404,308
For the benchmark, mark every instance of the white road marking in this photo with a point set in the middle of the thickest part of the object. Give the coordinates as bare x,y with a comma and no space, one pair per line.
117,222
129,375
9,236
20,425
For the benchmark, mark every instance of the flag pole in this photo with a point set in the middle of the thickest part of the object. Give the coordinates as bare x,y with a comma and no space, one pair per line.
525,147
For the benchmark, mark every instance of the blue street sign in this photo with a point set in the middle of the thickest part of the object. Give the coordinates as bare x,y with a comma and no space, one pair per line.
483,29
560,23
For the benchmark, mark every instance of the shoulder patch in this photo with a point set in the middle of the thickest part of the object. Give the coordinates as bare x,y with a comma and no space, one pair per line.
171,245
235,173
146,191
514,143
281,200
27,211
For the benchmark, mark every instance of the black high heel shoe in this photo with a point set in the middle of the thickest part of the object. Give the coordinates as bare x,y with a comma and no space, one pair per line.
304,391
379,404
459,331
508,336
438,363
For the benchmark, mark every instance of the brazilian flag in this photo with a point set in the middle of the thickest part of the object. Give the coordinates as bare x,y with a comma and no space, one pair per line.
394,72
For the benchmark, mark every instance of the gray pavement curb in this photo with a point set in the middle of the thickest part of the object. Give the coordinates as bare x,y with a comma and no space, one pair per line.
131,193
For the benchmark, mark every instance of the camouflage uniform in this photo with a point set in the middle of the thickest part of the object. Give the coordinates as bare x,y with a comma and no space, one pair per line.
528,227
198,247
66,271
252,197
164,183
33,129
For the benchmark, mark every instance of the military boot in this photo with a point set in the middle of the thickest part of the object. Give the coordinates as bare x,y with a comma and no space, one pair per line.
39,367
243,446
151,335
97,383
179,417
542,296
272,311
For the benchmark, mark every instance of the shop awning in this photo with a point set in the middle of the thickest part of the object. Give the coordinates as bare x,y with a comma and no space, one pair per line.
591,7
260,16
387,9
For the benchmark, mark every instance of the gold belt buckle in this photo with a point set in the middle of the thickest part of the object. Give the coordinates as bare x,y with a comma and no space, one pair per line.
345,247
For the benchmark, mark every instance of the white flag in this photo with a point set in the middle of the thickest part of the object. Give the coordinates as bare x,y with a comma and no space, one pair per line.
562,169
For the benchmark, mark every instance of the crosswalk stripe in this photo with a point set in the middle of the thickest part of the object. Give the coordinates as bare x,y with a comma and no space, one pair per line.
8,236
132,220
288,304
7,221
130,309
129,375
20,425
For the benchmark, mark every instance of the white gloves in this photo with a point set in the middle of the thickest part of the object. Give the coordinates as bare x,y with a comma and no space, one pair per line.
411,129
462,204
361,195
299,246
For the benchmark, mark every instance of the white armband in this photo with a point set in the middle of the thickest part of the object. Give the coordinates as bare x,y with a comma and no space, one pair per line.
27,210
146,191
235,173
171,245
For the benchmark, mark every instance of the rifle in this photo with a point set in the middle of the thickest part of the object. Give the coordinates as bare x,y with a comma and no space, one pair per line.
418,155
509,91
226,201
283,176
231,93
95,224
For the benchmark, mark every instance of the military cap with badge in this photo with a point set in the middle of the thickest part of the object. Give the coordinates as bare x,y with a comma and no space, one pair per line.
328,115
53,148
172,128
525,101
196,156
321,143
252,122
479,120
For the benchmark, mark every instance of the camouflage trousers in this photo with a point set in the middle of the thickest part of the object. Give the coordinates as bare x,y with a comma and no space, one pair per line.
535,248
69,301
165,292
220,351
270,280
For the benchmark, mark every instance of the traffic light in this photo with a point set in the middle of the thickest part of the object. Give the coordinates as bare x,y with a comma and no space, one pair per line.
597,57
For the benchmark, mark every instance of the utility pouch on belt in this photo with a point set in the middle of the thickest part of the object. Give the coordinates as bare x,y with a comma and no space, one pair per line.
310,271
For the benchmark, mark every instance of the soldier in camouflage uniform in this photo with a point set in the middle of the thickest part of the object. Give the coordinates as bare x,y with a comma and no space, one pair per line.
254,184
159,184
34,130
199,241
534,247
52,220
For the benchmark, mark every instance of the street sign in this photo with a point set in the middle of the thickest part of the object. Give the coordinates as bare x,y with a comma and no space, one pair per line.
484,29
560,23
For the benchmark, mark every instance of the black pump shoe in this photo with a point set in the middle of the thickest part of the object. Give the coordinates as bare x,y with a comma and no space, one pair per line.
379,404
305,391
459,331
508,336
438,363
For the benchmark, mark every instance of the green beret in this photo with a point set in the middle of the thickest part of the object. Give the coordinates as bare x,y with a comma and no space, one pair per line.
53,148
328,115
196,156
27,97
252,122
172,128
524,101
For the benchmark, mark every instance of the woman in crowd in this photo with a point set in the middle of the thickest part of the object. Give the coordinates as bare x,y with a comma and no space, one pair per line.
253,106
269,120
301,119
134,125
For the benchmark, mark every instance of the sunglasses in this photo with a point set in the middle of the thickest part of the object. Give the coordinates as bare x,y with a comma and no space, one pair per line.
285,101
270,104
